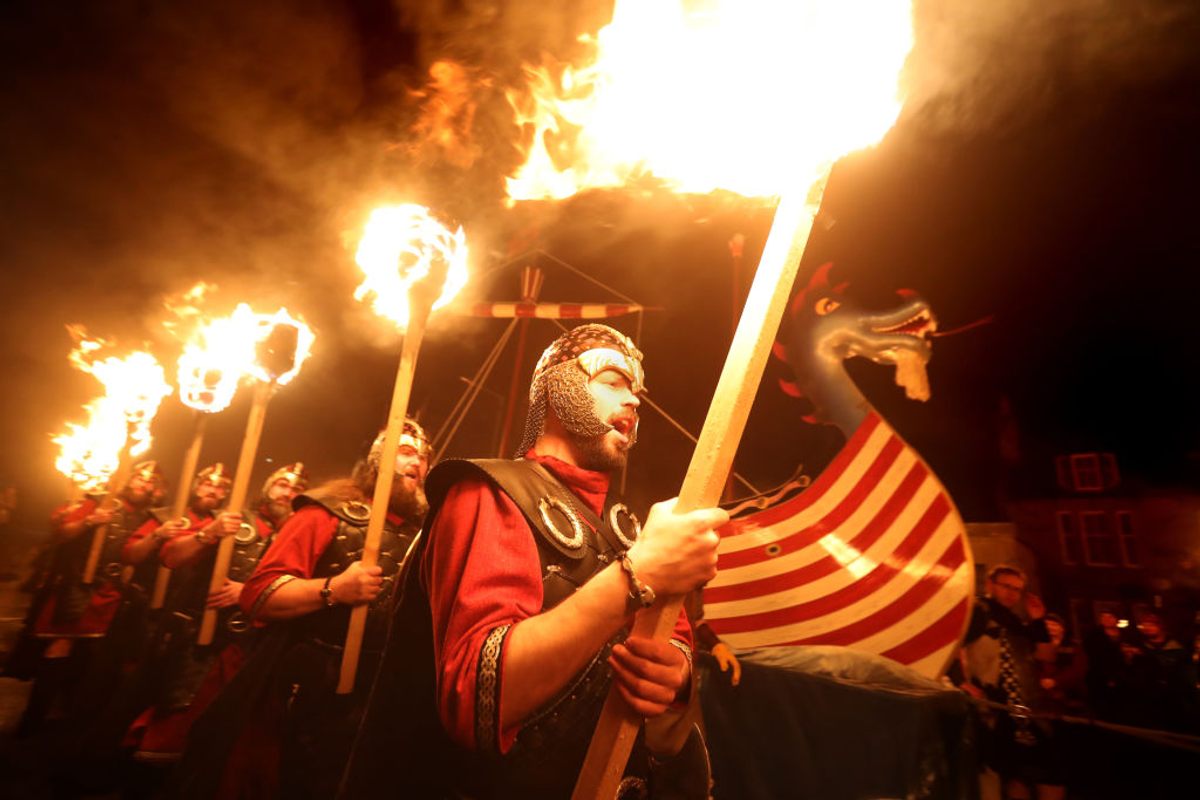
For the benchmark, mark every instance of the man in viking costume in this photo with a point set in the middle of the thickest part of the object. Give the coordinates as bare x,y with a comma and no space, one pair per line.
74,617
281,729
190,675
518,601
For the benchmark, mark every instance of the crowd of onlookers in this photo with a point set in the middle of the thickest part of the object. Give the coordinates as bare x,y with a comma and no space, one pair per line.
1096,715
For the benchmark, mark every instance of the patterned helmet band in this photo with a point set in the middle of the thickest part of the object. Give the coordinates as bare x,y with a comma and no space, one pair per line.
217,475
597,348
411,435
150,472
294,474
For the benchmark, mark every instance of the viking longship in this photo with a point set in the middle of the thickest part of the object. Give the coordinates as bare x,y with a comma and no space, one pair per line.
872,554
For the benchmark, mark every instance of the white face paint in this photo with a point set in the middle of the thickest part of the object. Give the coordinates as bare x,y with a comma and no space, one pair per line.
615,404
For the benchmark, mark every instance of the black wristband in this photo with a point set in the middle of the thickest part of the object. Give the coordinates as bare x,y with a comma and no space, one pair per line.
327,594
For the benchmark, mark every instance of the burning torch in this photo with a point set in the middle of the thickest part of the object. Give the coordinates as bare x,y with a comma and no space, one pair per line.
99,456
835,62
210,367
413,264
281,343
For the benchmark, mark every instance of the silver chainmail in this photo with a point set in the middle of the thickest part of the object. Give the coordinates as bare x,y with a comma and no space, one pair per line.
564,388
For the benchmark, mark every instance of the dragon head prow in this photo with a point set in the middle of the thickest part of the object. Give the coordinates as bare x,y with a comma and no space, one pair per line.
826,328
899,337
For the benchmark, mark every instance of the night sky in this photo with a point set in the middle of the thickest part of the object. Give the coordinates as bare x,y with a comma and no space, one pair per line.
1043,175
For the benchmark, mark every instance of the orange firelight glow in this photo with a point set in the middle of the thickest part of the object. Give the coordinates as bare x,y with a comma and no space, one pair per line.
757,97
134,387
399,247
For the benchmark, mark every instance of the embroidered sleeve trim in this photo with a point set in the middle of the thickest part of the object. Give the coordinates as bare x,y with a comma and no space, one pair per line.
487,692
270,590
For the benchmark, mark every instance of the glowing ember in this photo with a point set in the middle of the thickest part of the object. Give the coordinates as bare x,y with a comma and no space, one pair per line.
134,387
185,308
753,96
399,247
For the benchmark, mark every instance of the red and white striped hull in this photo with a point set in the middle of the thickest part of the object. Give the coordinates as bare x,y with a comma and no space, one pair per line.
872,555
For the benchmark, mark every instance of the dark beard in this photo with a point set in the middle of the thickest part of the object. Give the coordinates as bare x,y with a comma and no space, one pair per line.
595,456
408,503
205,506
277,511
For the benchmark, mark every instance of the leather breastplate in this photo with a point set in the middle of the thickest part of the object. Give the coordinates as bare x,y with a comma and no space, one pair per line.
573,545
193,580
124,522
248,549
329,625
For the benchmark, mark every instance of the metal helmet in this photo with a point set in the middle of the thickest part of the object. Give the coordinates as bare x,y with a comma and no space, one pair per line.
561,375
151,472
217,475
411,435
295,474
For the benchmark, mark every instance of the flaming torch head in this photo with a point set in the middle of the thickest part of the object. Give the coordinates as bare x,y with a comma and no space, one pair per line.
89,453
281,346
403,246
756,97
214,360
134,387
276,352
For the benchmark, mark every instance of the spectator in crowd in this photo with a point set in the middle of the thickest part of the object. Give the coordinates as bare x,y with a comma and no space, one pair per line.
998,665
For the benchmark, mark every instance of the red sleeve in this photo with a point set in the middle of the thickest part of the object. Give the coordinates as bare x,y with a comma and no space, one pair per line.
166,553
295,551
71,515
148,527
481,571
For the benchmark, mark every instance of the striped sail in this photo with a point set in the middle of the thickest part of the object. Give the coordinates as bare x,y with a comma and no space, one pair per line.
527,310
872,556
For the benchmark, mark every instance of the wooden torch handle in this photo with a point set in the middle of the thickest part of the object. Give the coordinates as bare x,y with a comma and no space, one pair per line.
237,500
711,463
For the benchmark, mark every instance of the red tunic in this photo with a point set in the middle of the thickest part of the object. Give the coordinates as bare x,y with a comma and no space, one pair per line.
295,552
105,596
482,571
195,523
158,734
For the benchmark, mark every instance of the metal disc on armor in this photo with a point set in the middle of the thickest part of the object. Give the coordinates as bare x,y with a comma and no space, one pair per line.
237,622
575,540
356,510
245,534
632,788
112,569
624,524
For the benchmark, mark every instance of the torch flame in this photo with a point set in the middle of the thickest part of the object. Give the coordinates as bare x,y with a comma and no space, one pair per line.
399,247
134,387
89,454
225,350
757,97
214,360
266,325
